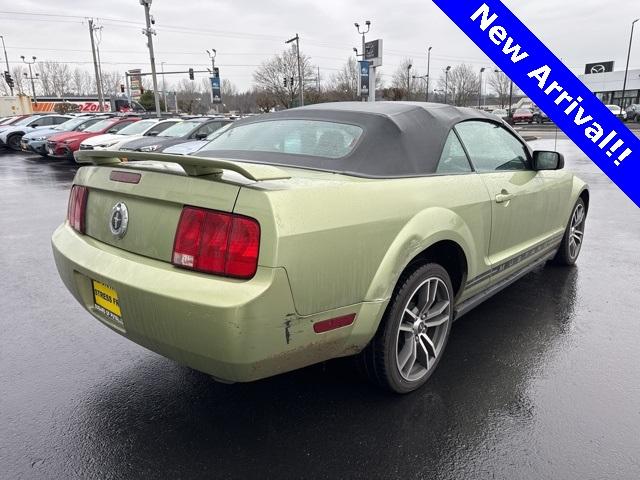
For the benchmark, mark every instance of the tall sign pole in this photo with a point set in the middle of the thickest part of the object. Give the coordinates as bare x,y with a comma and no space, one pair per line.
95,67
373,55
149,32
371,74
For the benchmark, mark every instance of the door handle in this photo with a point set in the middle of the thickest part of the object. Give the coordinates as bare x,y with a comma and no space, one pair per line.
503,197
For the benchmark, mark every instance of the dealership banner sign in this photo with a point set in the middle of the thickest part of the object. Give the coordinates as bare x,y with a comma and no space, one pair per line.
216,92
552,87
364,77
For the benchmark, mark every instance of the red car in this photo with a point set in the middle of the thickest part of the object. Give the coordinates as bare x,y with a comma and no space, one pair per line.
523,115
64,144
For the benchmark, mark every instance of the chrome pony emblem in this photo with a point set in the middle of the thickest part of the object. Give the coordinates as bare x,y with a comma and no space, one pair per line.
119,220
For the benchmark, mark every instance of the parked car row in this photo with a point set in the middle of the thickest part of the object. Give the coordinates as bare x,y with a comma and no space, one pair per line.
60,136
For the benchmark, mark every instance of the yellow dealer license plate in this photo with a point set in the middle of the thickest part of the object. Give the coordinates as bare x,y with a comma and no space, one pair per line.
106,301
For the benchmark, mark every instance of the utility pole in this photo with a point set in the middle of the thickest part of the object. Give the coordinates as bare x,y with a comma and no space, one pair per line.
318,80
428,70
301,92
149,32
95,67
626,71
480,95
363,32
31,77
409,82
6,59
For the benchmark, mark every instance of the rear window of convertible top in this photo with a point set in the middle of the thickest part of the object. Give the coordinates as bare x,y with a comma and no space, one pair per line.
316,138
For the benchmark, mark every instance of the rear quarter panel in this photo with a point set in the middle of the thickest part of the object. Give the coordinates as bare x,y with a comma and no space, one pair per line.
344,241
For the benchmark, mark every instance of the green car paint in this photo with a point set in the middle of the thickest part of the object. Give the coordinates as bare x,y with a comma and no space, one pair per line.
331,245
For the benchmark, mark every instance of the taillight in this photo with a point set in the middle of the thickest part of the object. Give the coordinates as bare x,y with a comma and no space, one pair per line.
217,242
77,207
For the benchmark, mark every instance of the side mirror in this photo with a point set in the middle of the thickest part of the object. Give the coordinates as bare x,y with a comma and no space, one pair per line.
113,130
547,160
200,136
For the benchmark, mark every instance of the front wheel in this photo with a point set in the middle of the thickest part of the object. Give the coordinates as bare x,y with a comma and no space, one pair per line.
413,333
573,236
13,142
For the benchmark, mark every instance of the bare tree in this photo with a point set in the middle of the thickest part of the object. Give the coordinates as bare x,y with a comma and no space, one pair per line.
402,80
266,101
462,86
111,82
500,84
274,73
344,84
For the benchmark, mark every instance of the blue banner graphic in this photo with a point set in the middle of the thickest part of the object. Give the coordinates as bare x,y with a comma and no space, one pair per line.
216,95
552,87
364,77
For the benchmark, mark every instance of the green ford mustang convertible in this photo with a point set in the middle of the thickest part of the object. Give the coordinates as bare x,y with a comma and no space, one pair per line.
319,232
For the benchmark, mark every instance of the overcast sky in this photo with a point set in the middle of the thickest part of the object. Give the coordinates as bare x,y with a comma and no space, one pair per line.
245,32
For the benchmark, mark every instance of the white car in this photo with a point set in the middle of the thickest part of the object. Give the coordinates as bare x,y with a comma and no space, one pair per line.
193,146
142,128
502,113
11,135
617,111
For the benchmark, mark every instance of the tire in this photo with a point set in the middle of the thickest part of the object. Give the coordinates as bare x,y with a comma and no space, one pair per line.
13,141
571,245
405,350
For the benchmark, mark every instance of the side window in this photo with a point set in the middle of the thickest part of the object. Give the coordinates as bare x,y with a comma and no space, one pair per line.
453,159
59,120
205,130
491,147
118,127
159,128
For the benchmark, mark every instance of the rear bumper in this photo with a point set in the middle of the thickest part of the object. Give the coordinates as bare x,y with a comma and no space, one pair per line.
234,330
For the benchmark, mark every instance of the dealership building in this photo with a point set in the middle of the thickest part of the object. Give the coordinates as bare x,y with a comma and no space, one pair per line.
607,84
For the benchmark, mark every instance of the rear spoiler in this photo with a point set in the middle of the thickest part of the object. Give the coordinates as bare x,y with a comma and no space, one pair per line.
193,166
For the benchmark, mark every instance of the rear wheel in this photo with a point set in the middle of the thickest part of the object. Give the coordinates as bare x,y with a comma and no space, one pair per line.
414,331
13,142
573,236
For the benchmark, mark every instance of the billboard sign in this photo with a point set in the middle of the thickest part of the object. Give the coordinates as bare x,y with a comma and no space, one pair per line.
216,93
601,67
135,83
373,52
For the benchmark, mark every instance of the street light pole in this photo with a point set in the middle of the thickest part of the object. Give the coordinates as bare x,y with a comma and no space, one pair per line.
480,96
409,82
149,32
164,87
300,82
212,56
33,85
446,84
428,70
363,32
6,59
626,71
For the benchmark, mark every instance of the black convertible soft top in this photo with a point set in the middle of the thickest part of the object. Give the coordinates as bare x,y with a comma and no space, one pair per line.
400,139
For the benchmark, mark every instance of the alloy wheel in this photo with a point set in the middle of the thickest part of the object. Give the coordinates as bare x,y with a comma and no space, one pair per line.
422,332
576,233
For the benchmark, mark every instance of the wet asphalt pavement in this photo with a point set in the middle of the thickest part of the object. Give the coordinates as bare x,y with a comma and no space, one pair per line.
540,382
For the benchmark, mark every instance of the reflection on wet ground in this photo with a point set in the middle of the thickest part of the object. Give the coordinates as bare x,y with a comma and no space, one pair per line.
539,382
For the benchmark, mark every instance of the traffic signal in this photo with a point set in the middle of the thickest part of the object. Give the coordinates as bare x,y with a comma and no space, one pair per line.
121,88
285,82
191,74
292,81
9,79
